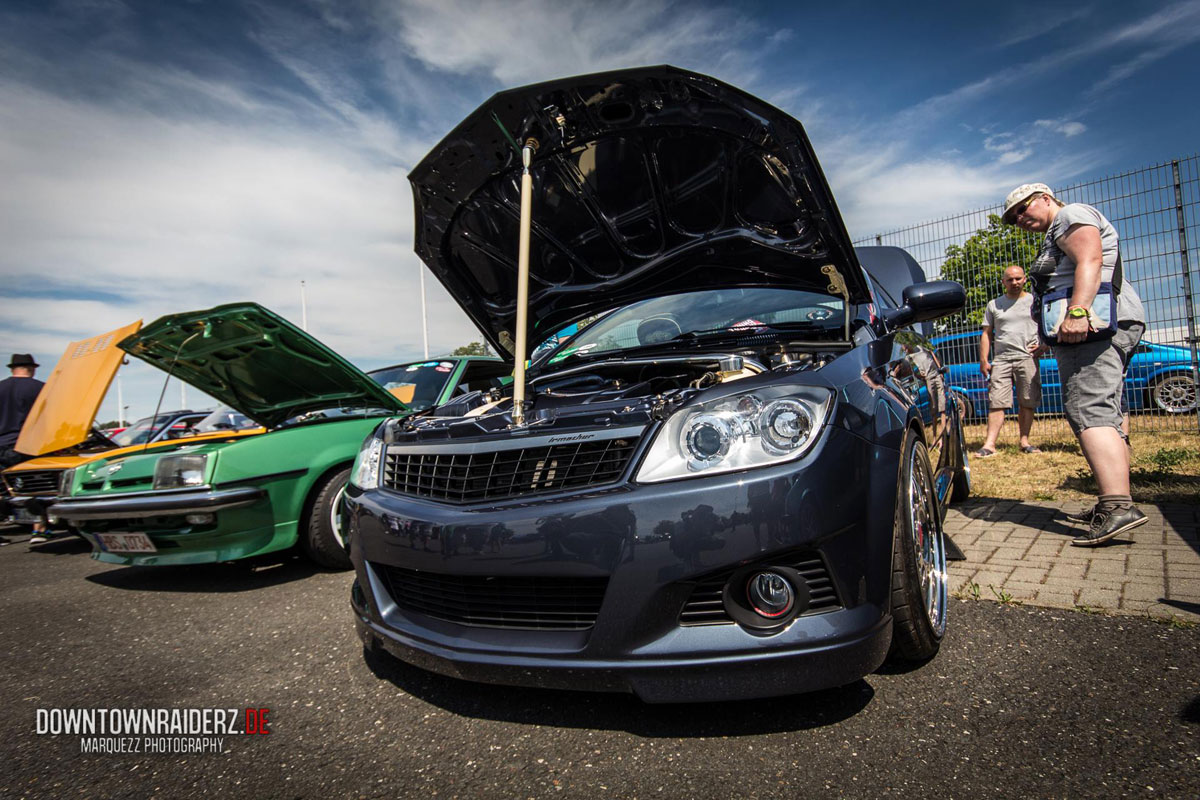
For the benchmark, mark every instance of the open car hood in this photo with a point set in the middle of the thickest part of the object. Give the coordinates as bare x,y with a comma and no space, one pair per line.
256,362
63,413
647,182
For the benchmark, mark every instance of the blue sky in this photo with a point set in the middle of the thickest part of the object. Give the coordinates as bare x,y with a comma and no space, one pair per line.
166,155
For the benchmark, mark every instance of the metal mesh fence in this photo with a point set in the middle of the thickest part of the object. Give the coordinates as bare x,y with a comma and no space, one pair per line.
1155,211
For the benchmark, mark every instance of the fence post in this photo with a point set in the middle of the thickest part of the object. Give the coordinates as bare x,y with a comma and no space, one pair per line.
878,239
1187,281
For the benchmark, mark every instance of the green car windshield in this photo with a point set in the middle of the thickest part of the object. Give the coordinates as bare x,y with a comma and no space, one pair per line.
417,385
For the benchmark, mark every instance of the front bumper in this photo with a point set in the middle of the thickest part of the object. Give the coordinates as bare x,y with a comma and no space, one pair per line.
238,522
653,545
136,505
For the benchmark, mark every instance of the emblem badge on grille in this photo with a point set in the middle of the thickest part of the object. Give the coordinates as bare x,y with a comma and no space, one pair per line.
18,483
111,469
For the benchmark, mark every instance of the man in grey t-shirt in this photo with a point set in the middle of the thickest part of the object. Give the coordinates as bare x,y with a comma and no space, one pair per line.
1081,251
1010,336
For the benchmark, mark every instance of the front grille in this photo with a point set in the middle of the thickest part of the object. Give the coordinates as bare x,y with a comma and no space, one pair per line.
34,481
474,477
531,603
706,606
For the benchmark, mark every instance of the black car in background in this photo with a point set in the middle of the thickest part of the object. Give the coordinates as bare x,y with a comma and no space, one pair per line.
729,485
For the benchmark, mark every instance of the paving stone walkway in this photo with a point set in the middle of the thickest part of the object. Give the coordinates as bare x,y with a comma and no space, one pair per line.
1023,549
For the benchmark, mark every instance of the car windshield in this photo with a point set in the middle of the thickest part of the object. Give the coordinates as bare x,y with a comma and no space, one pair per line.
142,431
416,385
224,419
698,315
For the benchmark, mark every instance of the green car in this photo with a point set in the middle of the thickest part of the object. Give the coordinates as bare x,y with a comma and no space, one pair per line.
224,499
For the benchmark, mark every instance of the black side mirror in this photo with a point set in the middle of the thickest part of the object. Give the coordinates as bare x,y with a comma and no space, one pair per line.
927,301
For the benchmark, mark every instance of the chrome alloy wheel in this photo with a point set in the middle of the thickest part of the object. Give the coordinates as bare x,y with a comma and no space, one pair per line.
335,517
928,543
1175,394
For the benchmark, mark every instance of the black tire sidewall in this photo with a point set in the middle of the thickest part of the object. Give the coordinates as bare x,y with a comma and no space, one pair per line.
317,539
913,635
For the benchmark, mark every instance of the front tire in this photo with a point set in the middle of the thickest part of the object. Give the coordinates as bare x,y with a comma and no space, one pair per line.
919,582
321,536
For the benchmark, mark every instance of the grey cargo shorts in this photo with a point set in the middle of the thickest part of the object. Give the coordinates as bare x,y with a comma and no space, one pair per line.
1093,377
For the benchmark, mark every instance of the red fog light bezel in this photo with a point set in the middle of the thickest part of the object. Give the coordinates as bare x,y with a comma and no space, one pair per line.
740,608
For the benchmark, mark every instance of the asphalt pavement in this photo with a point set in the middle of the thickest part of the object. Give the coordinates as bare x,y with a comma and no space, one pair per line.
1021,702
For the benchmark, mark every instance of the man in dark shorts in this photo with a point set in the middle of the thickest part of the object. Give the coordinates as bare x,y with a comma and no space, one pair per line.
1080,251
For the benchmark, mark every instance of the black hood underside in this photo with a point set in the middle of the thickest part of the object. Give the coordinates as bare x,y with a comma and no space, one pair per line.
646,182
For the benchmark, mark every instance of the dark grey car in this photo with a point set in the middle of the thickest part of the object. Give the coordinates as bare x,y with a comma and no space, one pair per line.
731,482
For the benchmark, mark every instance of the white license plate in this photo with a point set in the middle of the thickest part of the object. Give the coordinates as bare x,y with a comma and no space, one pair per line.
127,543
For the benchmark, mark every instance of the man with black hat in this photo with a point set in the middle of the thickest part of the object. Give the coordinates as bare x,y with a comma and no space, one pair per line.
17,394
16,398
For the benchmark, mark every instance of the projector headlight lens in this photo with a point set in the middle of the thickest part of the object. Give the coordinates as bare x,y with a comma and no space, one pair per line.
768,426
365,473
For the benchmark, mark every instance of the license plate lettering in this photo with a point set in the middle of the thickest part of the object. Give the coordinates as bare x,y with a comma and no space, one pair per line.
127,543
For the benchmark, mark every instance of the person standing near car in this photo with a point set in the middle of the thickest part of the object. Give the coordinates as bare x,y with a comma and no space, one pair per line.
1080,251
1010,337
17,394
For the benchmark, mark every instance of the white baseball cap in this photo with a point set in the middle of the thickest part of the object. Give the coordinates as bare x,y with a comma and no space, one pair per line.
1019,195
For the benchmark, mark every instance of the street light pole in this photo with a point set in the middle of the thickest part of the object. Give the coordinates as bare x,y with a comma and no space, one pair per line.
303,309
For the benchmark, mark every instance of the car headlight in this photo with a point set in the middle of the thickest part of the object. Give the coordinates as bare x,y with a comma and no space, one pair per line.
365,473
768,426
176,472
65,482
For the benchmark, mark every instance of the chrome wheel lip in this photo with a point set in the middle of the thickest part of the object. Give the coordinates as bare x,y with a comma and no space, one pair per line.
929,548
1175,394
966,459
335,516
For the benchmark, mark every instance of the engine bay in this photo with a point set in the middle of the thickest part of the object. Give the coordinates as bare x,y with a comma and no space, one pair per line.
603,393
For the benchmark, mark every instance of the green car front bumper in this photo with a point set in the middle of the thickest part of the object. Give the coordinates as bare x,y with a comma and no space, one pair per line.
240,524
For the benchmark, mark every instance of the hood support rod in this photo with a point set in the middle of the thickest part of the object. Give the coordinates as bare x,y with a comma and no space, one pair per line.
531,146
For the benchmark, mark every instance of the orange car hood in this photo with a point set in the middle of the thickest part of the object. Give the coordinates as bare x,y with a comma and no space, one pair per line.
63,413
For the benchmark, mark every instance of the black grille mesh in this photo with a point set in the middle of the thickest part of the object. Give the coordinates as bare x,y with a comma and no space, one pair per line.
531,603
34,481
706,607
473,477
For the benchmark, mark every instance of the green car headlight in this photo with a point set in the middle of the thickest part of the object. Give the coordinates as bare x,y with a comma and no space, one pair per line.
180,471
365,473
66,482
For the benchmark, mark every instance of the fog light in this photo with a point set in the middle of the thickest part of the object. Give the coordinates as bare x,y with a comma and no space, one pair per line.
770,594
764,599
199,519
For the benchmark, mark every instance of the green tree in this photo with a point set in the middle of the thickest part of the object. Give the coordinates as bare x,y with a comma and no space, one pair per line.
979,264
472,349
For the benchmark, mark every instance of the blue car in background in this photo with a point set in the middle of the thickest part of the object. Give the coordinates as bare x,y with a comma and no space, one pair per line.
1159,378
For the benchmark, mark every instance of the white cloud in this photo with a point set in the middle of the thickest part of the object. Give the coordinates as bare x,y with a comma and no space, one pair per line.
1067,128
530,40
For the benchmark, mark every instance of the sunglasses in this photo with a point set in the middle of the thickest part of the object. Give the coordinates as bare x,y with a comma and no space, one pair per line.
1020,209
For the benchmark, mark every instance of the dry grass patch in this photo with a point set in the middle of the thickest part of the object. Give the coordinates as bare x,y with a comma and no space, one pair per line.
1165,466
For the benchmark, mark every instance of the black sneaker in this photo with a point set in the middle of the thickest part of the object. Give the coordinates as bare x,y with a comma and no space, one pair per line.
1082,517
1107,524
